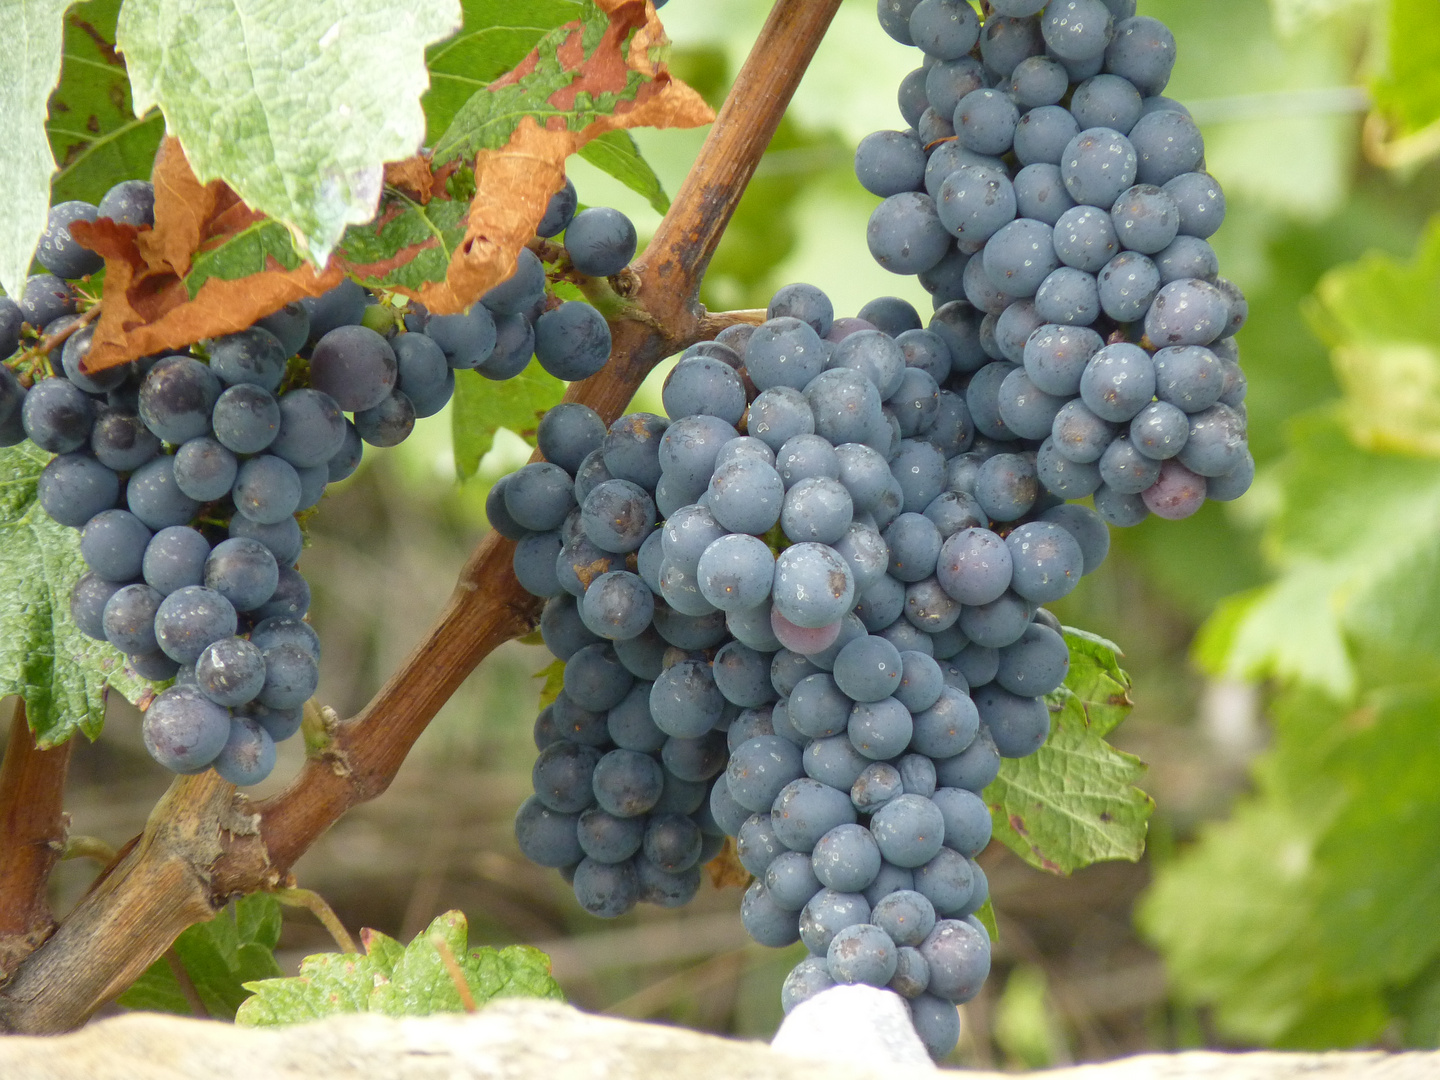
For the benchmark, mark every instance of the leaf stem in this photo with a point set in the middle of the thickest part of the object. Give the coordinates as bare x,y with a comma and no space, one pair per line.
314,903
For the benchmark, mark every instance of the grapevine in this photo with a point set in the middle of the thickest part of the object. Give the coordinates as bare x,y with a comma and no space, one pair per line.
800,615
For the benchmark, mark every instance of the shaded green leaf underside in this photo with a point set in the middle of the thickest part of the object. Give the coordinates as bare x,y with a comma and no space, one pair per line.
481,407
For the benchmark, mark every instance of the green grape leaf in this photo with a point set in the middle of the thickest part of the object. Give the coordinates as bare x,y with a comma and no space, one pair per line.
481,407
554,675
566,94
1338,587
986,915
35,32
44,658
1379,317
306,149
495,37
218,957
615,152
416,980
262,245
95,136
407,246
1073,802
1408,85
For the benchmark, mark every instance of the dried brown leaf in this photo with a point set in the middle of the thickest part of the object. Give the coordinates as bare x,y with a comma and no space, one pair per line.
726,868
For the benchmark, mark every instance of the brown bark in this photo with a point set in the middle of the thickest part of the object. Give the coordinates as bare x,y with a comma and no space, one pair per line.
32,838
202,844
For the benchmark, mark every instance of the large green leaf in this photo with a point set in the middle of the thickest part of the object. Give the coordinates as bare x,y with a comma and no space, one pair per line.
616,153
95,135
61,673
218,957
488,119
1408,86
1312,915
1074,802
482,407
34,31
495,37
295,106
409,244
416,980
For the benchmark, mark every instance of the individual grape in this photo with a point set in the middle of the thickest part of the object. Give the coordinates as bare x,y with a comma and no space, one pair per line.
743,676
846,858
291,676
974,566
803,302
57,416
690,632
959,959
606,838
559,211
967,821
595,679
929,608
1077,29
1119,509
1143,51
997,623
346,460
1187,312
1125,469
1007,486
606,890
422,373
685,702
618,605
183,730
873,788
975,767
806,809
932,127
905,234
813,586
703,385
912,973
1159,430
516,295
267,489
72,361
1187,257
128,619
947,727
937,1023
539,495
880,729
387,424
1106,101
735,572
57,251
254,357
562,777
343,305
1200,201
1215,444
909,830
283,629
1068,297
514,345
87,604
45,299
1040,193
1118,382
130,202
1061,476
312,429
1020,256
1005,42
756,844
246,418
205,470
826,914
73,488
617,515
177,397
572,341
1127,286
1087,530
600,241
1038,81
535,564
230,672
905,916
862,954
467,339
819,709
945,29
191,618
766,921
1019,725
355,366
672,842
120,441
631,450
868,669
1043,134
546,837
1097,165
243,571
1033,666
947,82
113,543
1168,144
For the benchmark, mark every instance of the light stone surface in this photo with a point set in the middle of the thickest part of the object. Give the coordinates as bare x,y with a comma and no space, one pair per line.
535,1040
859,1025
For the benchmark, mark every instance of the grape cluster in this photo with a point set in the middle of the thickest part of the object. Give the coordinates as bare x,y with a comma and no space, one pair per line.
1055,205
814,616
185,472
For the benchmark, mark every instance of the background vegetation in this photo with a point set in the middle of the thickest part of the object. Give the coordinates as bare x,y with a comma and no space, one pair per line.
1285,649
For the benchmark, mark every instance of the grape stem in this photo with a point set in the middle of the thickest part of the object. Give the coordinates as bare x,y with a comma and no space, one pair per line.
204,843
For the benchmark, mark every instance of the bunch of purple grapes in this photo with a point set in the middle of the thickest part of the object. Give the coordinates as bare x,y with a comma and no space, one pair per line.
807,636
186,473
1056,206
